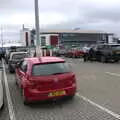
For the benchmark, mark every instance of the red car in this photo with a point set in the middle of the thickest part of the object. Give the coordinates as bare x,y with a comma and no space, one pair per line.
75,53
45,78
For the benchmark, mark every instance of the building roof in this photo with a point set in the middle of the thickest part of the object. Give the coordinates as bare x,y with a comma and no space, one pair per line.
75,31
36,60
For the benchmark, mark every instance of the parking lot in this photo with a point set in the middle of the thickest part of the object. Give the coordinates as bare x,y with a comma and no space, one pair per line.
97,96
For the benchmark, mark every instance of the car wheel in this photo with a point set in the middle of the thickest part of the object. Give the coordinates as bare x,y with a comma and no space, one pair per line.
16,81
11,70
71,96
24,99
72,56
115,61
103,59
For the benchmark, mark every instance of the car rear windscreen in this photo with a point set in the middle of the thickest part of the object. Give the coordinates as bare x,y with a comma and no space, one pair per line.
20,56
50,69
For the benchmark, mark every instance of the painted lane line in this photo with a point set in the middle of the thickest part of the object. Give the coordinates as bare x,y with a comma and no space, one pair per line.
113,74
9,101
117,116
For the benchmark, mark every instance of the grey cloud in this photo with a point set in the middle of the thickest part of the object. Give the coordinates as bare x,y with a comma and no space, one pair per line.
86,14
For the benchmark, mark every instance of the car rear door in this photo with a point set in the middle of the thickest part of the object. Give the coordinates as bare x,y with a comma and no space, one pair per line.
99,51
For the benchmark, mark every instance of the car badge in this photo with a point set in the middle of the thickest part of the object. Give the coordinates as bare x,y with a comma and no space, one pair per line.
56,79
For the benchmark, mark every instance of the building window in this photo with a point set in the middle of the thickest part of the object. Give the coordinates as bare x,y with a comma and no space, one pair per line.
43,41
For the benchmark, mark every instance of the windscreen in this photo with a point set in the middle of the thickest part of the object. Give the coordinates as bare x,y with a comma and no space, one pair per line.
115,46
50,69
20,56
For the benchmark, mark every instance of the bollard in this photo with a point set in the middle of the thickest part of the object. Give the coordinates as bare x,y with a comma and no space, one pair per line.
50,52
44,52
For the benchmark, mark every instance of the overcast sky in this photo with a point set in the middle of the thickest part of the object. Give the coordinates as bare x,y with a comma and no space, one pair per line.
60,14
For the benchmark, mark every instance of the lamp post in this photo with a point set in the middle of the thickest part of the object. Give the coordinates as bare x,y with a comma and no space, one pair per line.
2,37
38,42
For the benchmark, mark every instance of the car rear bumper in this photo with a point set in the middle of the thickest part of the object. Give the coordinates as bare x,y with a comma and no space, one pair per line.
35,95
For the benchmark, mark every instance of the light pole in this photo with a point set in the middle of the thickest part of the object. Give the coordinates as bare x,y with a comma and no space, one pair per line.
2,37
38,42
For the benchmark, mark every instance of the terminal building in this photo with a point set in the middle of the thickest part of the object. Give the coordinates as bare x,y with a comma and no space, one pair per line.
67,37
81,37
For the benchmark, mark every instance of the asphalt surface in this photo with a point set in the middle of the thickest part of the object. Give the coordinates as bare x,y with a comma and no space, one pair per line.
4,111
93,82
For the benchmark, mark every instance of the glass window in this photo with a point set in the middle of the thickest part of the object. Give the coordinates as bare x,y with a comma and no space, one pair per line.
43,41
50,69
23,66
20,56
100,47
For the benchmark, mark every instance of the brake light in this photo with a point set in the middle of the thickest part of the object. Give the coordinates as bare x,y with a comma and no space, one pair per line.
73,80
73,76
30,84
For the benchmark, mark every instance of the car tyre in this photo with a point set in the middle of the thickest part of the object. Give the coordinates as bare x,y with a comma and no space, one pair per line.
103,59
71,97
24,99
11,71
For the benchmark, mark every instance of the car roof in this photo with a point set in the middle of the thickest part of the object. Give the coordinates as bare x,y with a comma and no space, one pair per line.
108,44
17,52
48,59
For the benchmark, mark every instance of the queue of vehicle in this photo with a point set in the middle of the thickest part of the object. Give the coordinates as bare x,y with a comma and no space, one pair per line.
37,80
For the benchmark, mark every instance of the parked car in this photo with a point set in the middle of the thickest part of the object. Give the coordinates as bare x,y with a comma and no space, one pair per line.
107,52
75,53
45,78
60,52
1,94
14,49
14,58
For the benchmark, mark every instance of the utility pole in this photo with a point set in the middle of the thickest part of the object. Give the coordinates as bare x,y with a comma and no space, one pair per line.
38,42
2,37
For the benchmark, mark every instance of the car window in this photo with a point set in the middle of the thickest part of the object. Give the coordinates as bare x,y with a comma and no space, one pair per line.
19,56
23,66
100,47
106,46
115,46
50,68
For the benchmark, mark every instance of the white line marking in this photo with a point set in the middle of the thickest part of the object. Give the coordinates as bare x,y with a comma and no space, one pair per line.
100,107
9,101
113,74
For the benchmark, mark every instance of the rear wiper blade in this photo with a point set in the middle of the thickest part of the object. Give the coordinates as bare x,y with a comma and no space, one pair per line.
57,73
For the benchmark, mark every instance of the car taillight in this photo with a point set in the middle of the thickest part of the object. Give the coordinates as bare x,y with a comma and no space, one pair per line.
73,79
30,83
73,76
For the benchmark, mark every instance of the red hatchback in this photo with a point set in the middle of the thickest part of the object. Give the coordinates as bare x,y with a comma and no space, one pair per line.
75,53
45,78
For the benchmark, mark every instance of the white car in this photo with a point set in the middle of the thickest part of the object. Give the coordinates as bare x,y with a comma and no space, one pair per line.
1,91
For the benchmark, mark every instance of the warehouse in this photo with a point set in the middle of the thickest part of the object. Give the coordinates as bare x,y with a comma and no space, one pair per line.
80,37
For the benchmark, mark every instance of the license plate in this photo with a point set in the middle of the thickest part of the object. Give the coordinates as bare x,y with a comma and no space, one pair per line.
57,93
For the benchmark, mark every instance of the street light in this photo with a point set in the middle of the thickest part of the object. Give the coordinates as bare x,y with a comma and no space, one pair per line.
2,37
38,42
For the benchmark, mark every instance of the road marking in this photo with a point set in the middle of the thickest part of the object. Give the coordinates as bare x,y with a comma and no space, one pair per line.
98,106
113,74
9,101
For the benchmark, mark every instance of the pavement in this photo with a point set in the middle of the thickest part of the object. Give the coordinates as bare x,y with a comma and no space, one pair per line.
97,96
